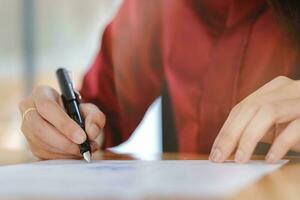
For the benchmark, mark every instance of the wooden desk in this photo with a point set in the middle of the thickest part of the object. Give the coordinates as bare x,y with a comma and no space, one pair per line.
281,184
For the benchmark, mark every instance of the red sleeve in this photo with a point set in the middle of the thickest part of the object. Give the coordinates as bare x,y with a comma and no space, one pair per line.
127,73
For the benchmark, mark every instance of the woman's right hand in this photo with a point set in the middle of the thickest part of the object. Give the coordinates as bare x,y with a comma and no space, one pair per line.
50,132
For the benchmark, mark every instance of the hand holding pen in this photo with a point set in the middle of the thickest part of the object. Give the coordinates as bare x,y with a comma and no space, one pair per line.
50,132
71,103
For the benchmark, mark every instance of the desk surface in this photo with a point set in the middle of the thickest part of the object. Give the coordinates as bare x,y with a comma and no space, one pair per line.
281,184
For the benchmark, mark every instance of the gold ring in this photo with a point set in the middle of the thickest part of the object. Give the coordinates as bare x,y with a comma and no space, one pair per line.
27,111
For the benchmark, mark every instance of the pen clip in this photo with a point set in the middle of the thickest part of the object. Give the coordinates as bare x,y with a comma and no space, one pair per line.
71,75
78,96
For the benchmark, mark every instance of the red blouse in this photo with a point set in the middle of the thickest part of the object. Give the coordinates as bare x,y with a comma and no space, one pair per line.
211,53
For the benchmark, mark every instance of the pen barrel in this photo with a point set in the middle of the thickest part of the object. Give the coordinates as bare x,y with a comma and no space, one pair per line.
65,84
72,108
85,147
71,103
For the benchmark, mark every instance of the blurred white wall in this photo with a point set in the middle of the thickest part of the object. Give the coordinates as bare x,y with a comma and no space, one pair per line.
10,37
69,31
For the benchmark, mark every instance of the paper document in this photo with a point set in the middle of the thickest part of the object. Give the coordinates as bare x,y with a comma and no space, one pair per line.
75,179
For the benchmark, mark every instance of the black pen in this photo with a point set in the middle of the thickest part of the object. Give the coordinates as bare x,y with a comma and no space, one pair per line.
71,103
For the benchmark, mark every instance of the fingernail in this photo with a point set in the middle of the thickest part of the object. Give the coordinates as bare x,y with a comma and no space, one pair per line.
270,158
79,137
239,156
216,155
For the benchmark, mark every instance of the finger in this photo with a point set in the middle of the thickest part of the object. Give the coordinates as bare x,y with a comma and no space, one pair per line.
51,111
32,140
269,115
46,155
284,142
94,120
260,124
23,105
234,112
39,144
286,110
229,136
43,131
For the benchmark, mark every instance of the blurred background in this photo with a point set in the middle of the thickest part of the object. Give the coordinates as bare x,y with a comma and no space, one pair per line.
36,37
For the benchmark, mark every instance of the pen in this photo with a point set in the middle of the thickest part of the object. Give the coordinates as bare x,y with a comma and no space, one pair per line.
71,103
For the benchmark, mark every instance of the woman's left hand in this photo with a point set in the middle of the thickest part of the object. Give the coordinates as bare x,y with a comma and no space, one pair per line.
271,114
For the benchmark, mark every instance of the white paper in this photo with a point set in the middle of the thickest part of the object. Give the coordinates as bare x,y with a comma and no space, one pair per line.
74,179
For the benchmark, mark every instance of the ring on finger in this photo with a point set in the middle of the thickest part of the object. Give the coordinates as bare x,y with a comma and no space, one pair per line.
27,111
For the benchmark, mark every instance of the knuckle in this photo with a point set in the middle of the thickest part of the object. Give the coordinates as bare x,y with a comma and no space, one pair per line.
282,79
269,109
101,118
43,106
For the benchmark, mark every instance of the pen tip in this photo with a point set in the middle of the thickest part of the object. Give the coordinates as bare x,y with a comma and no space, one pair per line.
87,156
